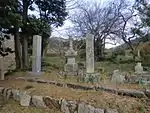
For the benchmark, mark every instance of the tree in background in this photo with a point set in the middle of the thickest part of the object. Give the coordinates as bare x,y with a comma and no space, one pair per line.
15,18
103,22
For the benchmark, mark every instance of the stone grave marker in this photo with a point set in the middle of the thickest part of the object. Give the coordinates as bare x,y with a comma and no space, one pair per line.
138,68
71,67
117,77
91,76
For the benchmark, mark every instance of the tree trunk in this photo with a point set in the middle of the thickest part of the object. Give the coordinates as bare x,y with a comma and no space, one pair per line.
17,45
25,58
99,49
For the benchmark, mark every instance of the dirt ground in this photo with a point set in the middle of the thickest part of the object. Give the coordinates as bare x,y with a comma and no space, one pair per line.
98,99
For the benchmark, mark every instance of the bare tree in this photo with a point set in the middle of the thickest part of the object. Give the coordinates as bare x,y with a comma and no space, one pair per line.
102,22
128,28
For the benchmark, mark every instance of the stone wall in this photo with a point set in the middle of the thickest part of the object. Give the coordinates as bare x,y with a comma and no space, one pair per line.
65,106
123,92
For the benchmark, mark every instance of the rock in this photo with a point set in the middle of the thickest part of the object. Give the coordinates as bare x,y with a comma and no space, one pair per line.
97,110
65,85
1,90
38,102
117,77
147,93
76,86
72,106
42,81
51,102
132,93
107,89
31,80
5,92
53,82
83,108
20,78
15,95
64,106
9,94
24,99
111,111
91,109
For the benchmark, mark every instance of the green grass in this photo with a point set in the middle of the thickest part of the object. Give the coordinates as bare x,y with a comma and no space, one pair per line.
109,66
106,65
54,60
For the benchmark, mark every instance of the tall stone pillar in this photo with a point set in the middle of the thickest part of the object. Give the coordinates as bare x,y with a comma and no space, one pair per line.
89,53
36,54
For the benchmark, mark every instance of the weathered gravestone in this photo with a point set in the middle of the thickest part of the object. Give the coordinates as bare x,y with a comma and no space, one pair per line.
71,67
138,68
117,77
91,76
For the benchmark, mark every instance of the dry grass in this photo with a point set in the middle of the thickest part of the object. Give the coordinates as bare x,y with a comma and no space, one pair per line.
97,99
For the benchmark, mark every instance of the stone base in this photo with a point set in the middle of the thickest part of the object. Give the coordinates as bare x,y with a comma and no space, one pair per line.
34,74
92,77
71,68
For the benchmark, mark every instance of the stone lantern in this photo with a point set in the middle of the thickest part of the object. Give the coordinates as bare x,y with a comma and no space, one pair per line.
71,65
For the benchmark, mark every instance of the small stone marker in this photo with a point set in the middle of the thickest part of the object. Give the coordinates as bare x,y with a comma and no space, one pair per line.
138,68
117,77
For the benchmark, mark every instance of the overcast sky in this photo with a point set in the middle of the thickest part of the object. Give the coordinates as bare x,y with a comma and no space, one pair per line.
61,31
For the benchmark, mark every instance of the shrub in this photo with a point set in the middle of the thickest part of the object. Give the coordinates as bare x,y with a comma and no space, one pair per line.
146,60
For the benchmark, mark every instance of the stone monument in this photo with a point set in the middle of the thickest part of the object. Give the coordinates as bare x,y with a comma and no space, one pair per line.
71,67
89,53
36,55
91,76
